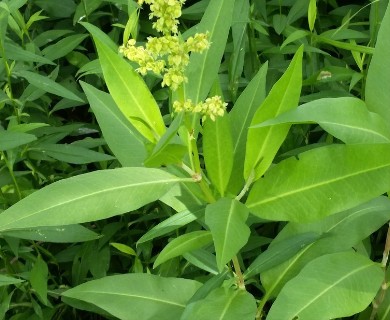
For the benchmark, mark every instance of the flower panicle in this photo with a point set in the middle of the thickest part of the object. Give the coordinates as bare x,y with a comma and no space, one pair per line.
168,55
212,107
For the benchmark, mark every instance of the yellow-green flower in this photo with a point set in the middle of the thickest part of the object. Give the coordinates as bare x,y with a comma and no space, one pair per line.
168,55
213,107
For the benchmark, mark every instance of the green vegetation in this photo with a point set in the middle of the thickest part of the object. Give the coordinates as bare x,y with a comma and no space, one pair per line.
190,160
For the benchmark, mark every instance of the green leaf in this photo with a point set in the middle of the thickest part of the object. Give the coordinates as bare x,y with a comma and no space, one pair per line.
211,284
130,151
59,234
279,253
123,248
71,154
182,244
223,304
203,259
38,278
130,93
378,77
48,85
226,219
137,296
239,36
279,22
88,197
6,280
11,139
100,35
322,182
59,9
3,25
14,52
312,14
240,118
166,152
218,152
263,143
63,47
172,223
345,118
340,232
348,282
203,68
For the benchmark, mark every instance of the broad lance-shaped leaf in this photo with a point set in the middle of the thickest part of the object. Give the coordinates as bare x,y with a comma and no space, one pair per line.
223,303
130,93
70,153
345,118
218,152
377,91
12,139
240,118
340,232
226,219
48,85
182,244
123,139
172,223
279,253
332,286
88,197
38,278
203,68
58,234
321,182
136,296
6,281
263,143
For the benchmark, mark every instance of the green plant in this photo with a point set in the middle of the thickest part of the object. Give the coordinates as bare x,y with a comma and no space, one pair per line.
200,186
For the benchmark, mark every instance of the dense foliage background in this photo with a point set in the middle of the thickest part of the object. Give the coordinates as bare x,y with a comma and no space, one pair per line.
48,132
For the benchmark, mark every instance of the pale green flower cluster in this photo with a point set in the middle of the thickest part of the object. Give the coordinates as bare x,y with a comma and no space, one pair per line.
213,107
167,55
166,12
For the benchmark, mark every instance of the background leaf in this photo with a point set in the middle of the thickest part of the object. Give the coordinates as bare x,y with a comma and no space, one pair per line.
11,139
322,182
346,281
226,219
137,296
48,85
183,244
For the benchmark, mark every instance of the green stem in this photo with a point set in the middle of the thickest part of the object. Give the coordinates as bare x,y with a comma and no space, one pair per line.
237,270
11,171
260,308
9,82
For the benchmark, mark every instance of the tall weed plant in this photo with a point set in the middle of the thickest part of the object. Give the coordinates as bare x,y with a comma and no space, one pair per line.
235,165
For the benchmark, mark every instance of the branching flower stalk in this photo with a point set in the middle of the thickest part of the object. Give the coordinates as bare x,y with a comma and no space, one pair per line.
168,57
